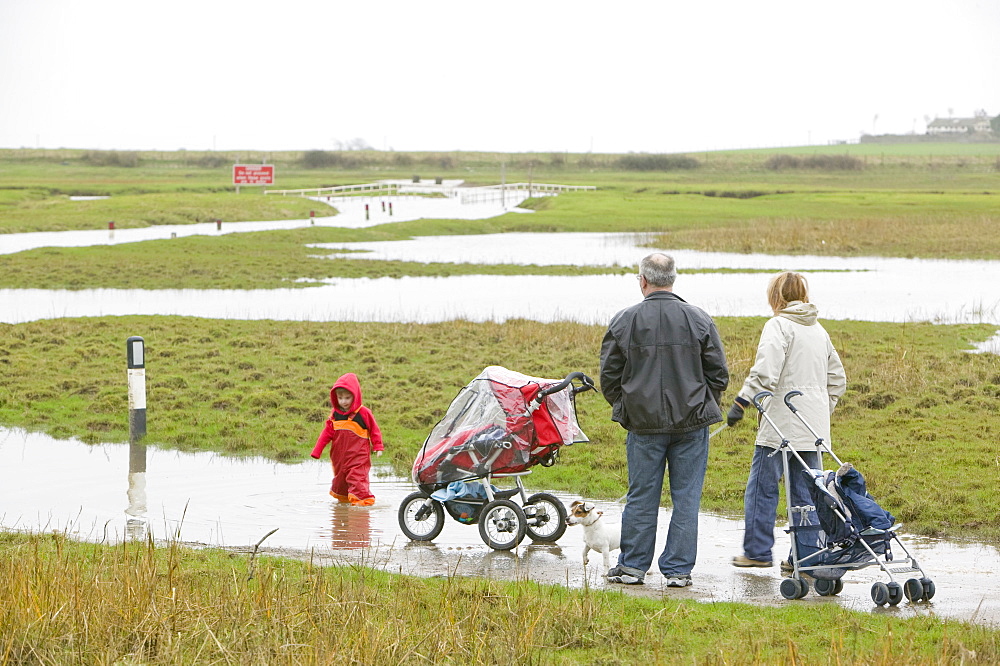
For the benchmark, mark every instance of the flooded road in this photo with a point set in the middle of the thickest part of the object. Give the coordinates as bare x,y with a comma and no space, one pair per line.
89,493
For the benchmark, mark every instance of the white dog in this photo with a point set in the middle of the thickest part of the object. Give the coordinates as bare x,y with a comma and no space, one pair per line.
598,535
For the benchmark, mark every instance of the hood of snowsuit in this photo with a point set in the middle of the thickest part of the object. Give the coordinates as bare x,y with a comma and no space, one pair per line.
351,383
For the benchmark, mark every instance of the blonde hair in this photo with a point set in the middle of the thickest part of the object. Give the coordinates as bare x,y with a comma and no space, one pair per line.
786,287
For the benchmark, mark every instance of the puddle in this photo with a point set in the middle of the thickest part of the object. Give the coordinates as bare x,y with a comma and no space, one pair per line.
99,493
991,346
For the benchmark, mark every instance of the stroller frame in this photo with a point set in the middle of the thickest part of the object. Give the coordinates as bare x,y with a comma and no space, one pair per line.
503,523
826,576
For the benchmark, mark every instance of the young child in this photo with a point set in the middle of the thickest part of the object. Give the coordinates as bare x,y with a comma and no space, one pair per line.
352,433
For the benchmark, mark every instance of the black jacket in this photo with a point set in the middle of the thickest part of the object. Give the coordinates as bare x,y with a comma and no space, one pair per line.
663,369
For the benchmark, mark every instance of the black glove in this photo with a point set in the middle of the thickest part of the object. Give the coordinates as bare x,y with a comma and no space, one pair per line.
734,415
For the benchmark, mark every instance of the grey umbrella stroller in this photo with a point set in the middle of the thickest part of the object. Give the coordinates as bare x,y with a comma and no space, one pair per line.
844,529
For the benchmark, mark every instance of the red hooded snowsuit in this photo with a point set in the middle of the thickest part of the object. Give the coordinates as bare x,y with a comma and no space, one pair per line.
352,436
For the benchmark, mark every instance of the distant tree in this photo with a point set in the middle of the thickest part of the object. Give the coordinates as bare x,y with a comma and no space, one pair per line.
356,143
995,125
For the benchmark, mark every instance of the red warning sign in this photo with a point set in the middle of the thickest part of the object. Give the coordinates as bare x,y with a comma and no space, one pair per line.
253,174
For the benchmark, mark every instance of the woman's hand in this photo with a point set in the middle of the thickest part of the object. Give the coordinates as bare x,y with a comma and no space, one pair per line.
735,414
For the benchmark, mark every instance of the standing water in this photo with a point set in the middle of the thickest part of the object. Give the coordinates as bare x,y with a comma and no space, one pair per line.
89,493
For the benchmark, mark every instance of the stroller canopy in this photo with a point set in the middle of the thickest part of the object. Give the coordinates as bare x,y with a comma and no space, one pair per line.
494,426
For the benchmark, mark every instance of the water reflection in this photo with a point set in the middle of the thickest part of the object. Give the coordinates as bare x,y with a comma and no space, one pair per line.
205,498
350,526
135,524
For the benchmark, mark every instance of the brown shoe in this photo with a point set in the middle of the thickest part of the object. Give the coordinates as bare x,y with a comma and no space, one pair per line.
744,561
787,570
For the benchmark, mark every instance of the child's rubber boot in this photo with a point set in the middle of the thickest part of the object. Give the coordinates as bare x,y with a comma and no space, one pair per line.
368,501
339,498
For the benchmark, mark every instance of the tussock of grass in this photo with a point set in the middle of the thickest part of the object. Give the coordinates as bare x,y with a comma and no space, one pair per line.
72,602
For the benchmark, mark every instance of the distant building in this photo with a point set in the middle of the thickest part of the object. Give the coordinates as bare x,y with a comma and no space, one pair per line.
981,123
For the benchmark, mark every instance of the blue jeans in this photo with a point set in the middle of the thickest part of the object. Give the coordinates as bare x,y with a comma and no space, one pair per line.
684,457
760,501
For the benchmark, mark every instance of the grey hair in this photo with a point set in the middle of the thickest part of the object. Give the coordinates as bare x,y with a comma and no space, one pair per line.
658,269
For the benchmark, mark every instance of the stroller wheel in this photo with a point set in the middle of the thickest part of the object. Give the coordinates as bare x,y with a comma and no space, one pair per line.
914,590
895,593
828,588
794,588
880,594
549,520
502,525
928,588
420,517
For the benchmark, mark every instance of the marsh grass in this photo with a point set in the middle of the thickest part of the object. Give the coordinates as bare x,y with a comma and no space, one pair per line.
915,401
131,603
34,211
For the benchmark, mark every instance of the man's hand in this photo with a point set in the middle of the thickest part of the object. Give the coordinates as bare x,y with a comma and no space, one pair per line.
734,415
378,454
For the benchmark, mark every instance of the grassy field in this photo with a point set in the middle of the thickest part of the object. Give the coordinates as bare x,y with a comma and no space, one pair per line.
916,402
262,387
73,603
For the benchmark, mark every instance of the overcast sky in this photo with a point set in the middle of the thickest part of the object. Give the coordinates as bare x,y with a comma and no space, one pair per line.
538,75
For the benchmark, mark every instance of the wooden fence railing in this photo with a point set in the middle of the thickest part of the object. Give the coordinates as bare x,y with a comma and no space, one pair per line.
464,194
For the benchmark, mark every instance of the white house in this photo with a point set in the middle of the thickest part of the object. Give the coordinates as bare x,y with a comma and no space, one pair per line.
980,123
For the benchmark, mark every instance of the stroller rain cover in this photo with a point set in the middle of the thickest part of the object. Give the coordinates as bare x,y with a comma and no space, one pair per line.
491,428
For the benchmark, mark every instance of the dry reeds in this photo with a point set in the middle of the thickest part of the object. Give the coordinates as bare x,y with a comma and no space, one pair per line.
134,603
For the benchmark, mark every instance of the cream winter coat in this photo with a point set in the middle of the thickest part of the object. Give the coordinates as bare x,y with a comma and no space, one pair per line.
795,354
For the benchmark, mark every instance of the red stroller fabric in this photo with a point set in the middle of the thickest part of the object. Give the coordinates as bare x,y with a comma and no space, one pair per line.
493,426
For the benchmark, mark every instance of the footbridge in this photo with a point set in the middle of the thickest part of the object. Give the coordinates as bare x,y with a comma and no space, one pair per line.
451,189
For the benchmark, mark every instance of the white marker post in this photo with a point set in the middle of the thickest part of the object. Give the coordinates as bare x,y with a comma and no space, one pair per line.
135,525
135,352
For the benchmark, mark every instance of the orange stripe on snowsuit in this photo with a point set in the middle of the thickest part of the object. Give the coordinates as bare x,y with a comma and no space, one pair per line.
351,425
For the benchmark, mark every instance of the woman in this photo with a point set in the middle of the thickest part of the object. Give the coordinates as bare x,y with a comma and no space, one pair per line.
794,354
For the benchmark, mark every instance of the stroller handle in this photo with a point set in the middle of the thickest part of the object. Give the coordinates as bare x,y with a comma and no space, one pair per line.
785,444
788,401
821,445
757,399
587,384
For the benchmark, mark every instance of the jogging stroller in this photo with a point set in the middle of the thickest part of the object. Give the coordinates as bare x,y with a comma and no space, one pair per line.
844,529
501,424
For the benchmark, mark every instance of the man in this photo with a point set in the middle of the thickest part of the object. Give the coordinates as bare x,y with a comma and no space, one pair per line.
663,370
